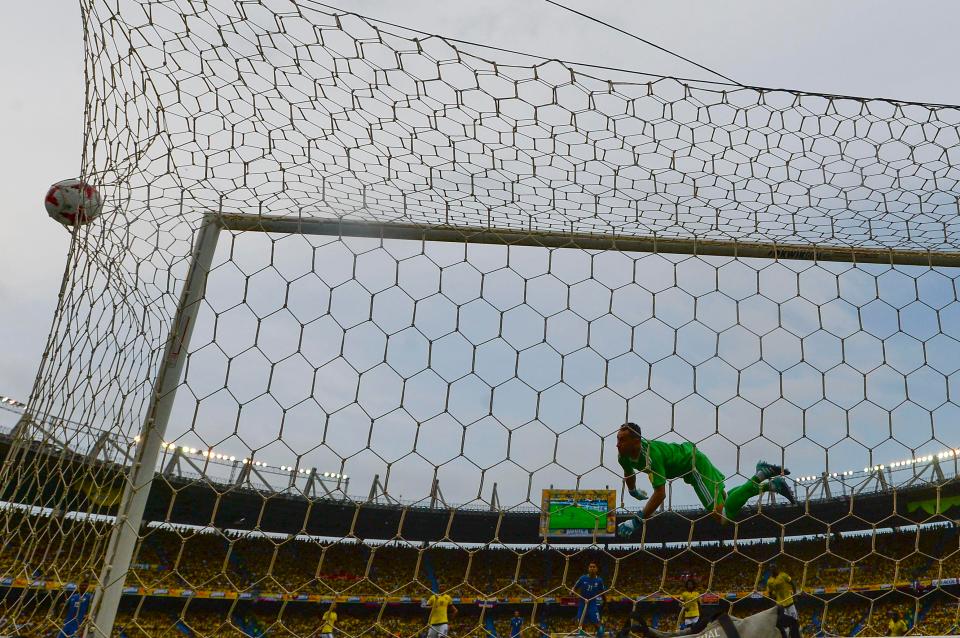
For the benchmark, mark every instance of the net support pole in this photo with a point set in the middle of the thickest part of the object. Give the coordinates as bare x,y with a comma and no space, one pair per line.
126,529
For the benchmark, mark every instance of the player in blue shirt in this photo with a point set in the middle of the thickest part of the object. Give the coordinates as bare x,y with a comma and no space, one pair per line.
590,588
516,624
77,604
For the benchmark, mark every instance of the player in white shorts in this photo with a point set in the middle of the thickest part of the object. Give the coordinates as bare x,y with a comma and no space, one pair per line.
690,601
440,606
781,589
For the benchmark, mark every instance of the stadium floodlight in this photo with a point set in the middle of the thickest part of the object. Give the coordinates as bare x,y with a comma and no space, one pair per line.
12,402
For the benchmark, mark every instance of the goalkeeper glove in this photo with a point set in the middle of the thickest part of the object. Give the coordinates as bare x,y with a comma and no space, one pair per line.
640,495
627,528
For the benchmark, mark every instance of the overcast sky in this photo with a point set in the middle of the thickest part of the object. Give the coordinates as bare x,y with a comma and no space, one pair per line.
855,48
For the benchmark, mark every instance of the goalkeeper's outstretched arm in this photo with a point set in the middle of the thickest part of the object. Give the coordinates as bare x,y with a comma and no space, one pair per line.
632,458
659,495
656,499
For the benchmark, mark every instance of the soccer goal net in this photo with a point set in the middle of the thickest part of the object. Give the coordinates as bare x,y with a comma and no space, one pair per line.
360,295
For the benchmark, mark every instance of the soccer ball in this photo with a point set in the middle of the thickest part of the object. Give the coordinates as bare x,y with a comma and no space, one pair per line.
73,202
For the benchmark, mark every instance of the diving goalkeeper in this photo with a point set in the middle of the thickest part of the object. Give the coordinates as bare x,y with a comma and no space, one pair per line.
663,461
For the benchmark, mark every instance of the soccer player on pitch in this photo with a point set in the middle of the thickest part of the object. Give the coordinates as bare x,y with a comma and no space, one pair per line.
590,587
441,607
328,621
78,603
690,605
897,625
663,461
516,624
781,589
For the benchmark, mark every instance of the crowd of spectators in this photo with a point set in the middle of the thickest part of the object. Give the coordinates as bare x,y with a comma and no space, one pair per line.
216,560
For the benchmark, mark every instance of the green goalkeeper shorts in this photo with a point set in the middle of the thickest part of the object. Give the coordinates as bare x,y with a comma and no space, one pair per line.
707,481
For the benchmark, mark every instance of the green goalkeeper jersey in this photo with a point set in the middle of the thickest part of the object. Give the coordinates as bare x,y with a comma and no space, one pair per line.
661,461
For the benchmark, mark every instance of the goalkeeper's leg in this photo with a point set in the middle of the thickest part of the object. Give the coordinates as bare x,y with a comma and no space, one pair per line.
708,483
767,478
739,496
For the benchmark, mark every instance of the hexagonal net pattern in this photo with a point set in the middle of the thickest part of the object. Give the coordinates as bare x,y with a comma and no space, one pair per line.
360,295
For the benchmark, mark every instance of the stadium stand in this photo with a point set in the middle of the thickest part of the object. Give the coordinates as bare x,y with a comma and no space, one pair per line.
279,586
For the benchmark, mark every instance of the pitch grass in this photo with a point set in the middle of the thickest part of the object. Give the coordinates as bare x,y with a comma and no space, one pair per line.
582,515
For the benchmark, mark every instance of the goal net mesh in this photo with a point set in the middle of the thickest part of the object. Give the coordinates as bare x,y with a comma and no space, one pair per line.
445,275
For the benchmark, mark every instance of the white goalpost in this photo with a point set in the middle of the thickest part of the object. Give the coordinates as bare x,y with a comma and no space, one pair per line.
126,529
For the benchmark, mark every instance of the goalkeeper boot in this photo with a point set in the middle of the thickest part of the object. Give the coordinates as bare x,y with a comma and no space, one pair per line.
781,487
766,471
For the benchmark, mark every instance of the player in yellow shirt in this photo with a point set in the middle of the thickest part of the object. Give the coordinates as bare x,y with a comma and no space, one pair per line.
781,589
441,608
328,621
690,599
897,625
